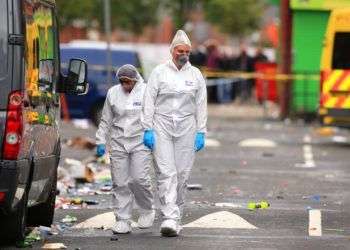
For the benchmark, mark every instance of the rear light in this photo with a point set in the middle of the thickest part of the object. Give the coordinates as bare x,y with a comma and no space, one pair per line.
2,196
14,126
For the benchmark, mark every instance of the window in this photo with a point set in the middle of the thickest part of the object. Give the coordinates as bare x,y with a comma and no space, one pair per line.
341,51
41,48
3,38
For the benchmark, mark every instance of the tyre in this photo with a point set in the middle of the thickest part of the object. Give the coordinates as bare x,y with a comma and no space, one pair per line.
96,113
43,213
13,226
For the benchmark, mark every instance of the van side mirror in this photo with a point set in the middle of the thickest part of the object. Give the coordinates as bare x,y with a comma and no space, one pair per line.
75,81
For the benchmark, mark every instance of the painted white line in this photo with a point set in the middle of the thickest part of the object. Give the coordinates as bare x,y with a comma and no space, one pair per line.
212,143
222,219
315,223
339,139
257,142
259,237
307,153
307,139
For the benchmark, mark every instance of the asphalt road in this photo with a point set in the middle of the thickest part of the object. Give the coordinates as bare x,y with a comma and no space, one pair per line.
305,177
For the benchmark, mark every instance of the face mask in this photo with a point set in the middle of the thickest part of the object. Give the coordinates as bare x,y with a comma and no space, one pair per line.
182,60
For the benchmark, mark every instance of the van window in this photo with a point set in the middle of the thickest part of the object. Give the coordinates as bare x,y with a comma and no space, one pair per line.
3,38
341,51
41,48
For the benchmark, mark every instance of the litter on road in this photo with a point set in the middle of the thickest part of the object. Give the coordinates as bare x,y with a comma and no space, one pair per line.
194,186
81,143
257,205
69,219
227,204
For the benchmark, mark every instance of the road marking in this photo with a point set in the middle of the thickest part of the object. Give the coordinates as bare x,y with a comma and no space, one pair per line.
339,139
262,237
257,142
212,143
222,219
315,224
105,221
308,155
307,139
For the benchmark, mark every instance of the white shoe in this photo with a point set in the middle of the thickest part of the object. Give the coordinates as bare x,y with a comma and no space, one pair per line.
146,219
170,228
122,227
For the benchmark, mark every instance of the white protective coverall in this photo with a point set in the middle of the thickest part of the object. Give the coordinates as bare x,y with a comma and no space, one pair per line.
130,159
175,107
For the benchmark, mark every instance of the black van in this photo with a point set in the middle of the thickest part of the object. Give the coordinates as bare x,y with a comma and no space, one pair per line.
30,88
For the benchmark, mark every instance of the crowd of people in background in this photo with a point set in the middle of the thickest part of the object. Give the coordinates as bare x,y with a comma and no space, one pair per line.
209,56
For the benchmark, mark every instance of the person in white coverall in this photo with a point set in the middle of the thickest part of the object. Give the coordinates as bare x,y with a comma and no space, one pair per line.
174,118
130,160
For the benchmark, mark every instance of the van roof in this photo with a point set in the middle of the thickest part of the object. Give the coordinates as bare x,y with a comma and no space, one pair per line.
86,44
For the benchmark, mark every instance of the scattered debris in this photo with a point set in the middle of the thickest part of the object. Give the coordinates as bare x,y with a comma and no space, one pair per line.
24,244
54,246
81,123
325,131
81,143
104,159
114,238
256,205
45,231
32,237
316,197
232,172
69,219
267,154
226,204
194,186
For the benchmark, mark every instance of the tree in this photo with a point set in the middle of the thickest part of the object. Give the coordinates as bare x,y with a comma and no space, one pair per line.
69,11
131,15
235,17
179,9
134,15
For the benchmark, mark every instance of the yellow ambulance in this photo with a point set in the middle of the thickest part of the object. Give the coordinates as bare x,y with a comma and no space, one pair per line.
335,71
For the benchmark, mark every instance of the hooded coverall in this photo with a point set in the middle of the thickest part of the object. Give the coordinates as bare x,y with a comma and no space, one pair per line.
130,159
175,107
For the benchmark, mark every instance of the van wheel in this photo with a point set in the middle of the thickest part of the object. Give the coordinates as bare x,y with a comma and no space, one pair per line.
96,113
43,213
13,226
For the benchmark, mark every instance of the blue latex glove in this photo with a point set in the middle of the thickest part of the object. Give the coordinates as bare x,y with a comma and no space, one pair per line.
199,141
148,139
100,150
